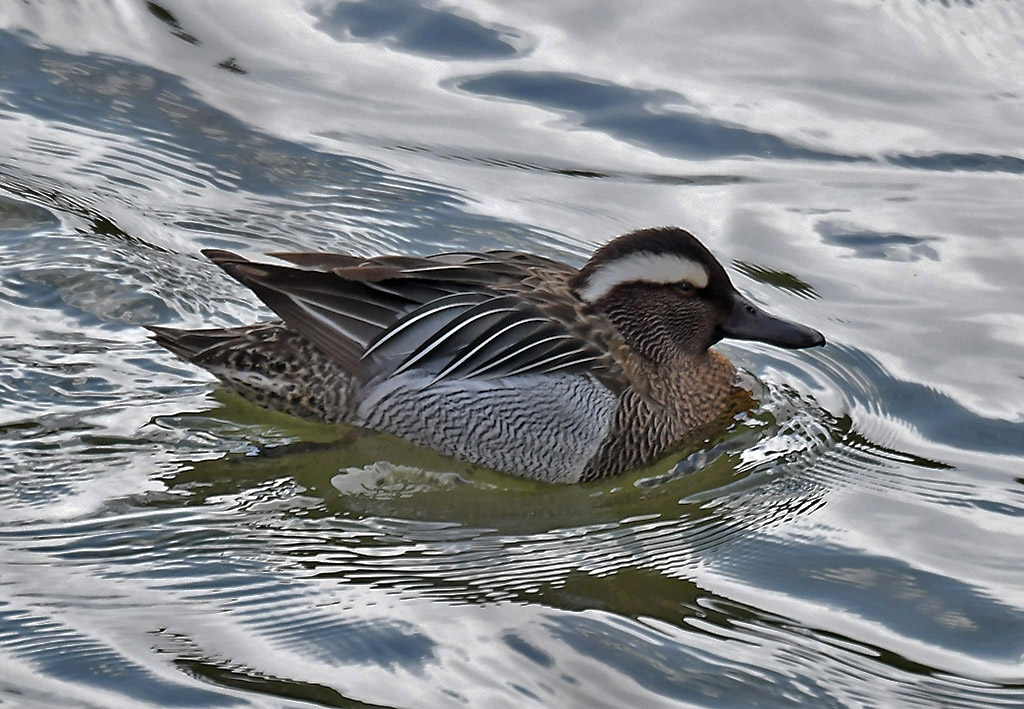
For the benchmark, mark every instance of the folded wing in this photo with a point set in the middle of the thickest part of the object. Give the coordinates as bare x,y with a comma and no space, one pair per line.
453,315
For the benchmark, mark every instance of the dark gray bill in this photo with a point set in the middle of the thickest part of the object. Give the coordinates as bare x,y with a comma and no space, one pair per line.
748,322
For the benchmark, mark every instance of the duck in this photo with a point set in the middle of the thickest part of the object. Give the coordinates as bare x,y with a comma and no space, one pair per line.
502,359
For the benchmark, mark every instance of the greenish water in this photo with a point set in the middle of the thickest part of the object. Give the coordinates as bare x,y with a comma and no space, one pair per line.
854,541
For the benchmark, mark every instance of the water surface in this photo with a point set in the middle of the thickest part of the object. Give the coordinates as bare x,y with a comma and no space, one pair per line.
853,541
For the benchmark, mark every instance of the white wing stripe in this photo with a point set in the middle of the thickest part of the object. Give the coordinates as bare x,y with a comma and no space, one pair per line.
518,352
331,324
427,269
413,320
446,334
552,358
455,365
308,302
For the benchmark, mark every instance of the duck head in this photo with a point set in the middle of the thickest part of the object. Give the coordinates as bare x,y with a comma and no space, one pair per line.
668,296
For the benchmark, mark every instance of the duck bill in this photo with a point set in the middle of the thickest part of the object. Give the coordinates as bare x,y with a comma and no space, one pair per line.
748,322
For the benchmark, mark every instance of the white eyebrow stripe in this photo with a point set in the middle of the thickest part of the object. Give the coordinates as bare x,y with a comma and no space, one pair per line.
646,267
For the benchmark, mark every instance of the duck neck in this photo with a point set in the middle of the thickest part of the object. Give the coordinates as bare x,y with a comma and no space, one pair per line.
668,405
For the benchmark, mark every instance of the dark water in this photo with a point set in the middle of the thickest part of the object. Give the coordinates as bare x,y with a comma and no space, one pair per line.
856,541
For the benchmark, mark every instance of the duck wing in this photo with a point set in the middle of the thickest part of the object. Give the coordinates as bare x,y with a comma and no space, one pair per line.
459,315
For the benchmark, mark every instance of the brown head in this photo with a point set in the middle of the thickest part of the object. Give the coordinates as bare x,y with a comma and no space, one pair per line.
669,297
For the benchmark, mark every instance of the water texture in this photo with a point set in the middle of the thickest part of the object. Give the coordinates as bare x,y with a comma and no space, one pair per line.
854,540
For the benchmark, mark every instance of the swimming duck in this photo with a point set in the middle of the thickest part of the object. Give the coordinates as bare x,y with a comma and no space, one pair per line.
508,360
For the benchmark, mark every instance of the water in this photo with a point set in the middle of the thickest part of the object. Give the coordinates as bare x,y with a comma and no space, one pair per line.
855,541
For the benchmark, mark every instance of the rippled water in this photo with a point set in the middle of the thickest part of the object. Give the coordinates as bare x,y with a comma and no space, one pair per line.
854,541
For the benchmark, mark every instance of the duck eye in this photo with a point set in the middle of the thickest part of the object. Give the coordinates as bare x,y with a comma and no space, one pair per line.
686,287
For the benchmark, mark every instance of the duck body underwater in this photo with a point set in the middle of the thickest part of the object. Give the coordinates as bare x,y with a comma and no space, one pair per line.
503,359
